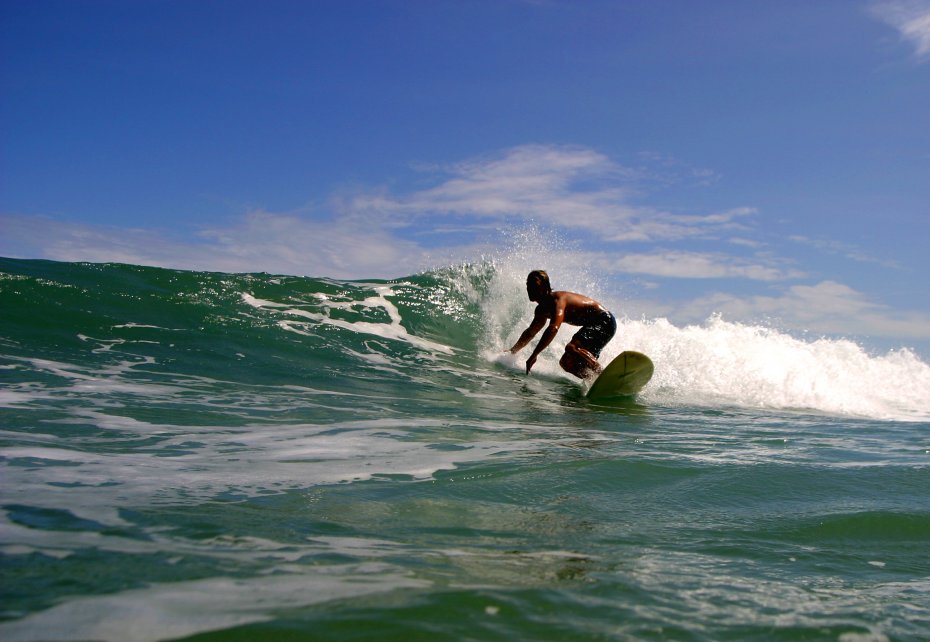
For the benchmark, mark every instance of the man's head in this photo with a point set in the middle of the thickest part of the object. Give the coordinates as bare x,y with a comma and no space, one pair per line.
537,285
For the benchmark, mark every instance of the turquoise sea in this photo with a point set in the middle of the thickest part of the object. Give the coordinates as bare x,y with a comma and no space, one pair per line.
206,456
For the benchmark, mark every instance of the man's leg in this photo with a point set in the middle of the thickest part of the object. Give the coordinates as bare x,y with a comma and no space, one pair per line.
579,362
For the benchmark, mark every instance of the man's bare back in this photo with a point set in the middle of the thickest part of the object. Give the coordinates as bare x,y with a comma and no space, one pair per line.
576,308
556,307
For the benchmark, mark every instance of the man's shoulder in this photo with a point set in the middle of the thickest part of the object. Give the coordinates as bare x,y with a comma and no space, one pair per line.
566,297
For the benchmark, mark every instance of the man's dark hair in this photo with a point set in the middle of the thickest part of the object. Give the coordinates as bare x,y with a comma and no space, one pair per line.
540,277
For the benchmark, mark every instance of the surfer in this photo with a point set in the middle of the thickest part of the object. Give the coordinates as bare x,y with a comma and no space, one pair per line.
598,326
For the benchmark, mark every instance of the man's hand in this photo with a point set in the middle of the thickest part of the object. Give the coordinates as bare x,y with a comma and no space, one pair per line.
530,363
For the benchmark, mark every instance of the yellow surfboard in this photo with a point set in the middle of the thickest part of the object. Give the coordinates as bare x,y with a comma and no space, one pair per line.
623,377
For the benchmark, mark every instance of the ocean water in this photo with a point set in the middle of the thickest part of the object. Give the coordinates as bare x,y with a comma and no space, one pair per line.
207,456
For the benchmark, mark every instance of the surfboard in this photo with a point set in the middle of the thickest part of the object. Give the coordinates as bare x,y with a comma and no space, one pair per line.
623,377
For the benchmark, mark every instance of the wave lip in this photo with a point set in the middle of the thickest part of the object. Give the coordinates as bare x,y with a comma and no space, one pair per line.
281,326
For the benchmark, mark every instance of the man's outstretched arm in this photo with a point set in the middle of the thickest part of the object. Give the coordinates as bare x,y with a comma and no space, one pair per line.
539,320
547,336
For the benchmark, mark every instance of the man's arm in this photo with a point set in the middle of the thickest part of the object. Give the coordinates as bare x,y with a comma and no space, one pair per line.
539,320
554,324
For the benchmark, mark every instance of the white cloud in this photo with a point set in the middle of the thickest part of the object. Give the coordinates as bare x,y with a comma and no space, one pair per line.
847,250
259,241
695,265
298,245
570,188
911,18
826,307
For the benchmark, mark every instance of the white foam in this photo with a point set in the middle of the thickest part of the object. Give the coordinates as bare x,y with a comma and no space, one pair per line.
211,460
82,380
393,330
721,362
144,325
181,609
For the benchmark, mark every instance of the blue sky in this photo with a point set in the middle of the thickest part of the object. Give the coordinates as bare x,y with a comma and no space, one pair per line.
765,160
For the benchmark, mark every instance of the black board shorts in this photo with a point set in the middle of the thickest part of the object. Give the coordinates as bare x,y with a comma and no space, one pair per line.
594,336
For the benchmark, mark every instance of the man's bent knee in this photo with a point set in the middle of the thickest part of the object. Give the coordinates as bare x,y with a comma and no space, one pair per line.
568,361
575,361
581,354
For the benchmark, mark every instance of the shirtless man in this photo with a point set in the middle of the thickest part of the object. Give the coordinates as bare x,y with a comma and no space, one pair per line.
597,326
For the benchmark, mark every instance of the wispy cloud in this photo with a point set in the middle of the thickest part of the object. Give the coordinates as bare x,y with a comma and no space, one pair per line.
258,241
827,307
696,265
847,250
664,168
911,18
570,188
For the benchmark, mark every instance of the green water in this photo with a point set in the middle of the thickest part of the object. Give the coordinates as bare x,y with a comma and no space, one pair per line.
254,457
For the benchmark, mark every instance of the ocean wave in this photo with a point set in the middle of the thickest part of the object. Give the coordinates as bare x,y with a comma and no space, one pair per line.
280,330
